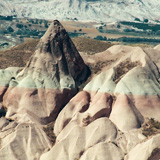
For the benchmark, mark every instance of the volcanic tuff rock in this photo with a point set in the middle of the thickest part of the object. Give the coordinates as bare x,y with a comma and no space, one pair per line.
56,62
78,141
127,91
23,141
53,73
104,121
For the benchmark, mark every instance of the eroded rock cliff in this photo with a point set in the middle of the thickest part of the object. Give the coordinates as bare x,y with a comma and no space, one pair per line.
109,119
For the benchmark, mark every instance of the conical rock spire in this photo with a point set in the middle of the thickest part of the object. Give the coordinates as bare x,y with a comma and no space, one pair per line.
56,62
49,80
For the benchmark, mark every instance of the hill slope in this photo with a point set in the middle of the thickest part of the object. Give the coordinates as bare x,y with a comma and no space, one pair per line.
19,55
90,10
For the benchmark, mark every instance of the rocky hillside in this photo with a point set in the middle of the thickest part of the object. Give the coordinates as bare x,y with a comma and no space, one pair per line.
115,116
88,10
19,55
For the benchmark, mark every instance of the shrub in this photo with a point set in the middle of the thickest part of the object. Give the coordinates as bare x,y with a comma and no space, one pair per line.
144,26
31,21
19,32
146,20
36,22
3,32
129,30
10,29
40,21
75,34
46,25
118,26
151,127
100,27
49,130
137,19
18,25
134,40
101,38
8,18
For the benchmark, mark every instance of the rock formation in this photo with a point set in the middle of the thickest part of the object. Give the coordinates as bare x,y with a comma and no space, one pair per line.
115,116
126,91
49,80
78,141
23,141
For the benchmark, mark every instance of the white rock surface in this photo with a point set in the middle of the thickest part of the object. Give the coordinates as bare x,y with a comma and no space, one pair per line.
125,115
86,10
23,142
144,150
83,109
130,85
72,142
103,151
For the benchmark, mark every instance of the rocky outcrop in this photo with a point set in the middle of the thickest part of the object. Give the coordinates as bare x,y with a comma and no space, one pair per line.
125,115
49,80
35,95
94,102
105,120
23,141
56,61
147,150
126,91
80,142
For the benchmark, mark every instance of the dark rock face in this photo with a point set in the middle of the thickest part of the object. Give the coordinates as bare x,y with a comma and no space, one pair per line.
155,154
64,53
57,57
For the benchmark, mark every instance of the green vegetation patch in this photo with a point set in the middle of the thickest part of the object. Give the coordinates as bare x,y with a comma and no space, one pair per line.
75,34
135,40
151,127
143,26
49,130
101,38
23,28
7,18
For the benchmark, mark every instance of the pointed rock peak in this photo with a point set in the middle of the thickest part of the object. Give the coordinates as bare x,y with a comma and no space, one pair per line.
57,42
55,30
56,60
